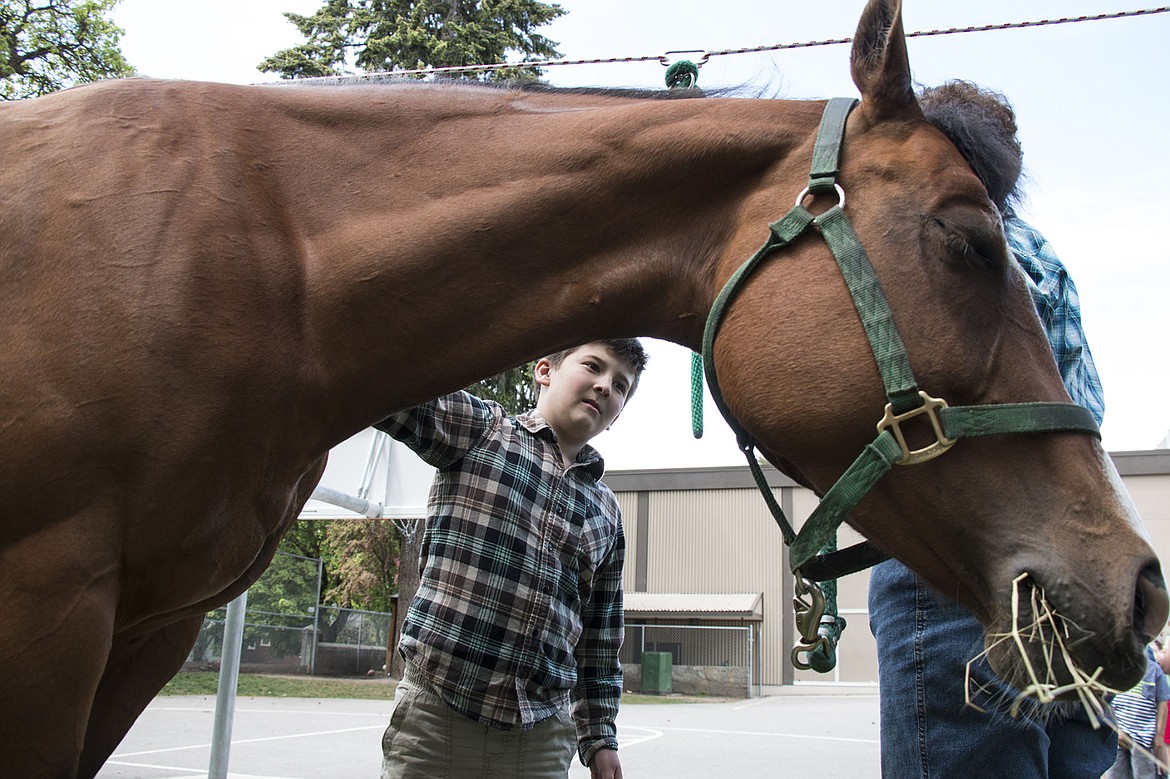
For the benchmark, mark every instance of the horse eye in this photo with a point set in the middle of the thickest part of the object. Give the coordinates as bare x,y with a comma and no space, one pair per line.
974,246
990,249
965,249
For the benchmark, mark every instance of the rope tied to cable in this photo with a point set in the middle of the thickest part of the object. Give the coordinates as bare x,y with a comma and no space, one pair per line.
683,74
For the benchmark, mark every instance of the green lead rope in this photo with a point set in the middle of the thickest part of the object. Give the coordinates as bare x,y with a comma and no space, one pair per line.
697,394
683,74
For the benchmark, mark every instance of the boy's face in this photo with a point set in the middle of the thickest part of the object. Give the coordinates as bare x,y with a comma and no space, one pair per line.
584,394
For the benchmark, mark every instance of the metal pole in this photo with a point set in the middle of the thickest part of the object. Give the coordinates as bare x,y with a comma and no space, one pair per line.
367,508
751,652
316,618
225,696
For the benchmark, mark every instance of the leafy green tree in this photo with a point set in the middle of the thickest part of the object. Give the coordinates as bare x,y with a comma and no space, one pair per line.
46,45
363,556
287,587
359,566
388,35
306,538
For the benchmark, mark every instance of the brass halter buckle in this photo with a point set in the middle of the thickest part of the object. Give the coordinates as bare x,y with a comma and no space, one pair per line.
930,407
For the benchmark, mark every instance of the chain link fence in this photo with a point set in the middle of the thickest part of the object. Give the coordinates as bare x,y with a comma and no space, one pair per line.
287,631
355,642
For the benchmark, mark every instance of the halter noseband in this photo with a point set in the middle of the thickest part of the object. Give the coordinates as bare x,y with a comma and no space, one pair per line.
906,401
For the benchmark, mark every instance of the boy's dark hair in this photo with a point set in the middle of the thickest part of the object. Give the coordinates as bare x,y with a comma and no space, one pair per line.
982,125
628,350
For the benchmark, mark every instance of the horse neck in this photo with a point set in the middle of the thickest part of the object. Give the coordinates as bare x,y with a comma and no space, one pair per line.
478,229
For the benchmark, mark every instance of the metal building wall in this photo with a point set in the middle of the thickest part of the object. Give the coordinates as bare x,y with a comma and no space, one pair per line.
740,551
1150,491
708,530
629,505
725,540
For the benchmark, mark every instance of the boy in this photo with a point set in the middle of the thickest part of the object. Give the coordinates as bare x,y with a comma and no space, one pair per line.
511,643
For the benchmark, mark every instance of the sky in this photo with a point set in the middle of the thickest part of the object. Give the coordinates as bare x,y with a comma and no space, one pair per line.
1090,100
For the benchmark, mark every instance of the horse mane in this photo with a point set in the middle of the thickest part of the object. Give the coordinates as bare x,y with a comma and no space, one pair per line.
538,87
523,85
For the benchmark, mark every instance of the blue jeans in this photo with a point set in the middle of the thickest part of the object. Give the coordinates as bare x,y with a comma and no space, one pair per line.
924,642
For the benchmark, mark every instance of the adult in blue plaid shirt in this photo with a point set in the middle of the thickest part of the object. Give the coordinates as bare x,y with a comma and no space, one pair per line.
511,643
924,639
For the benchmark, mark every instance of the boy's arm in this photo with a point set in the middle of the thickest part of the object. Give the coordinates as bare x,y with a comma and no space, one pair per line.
442,430
599,673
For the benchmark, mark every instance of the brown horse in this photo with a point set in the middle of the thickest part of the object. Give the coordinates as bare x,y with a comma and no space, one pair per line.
205,287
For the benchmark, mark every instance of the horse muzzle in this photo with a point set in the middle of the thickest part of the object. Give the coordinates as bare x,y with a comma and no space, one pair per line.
1061,633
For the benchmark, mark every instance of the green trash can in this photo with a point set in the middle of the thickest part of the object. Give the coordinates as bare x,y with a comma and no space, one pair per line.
656,673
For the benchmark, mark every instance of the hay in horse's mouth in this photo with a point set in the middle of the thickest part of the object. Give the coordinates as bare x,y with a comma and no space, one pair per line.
1052,633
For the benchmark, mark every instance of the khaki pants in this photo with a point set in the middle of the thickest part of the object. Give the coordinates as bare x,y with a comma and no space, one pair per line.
427,739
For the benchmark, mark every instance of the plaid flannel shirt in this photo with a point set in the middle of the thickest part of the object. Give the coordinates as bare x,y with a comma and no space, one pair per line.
1056,301
519,607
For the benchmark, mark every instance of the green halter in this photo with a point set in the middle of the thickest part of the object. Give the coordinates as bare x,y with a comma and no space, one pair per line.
905,401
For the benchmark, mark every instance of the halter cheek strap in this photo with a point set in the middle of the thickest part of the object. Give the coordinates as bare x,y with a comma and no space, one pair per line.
905,402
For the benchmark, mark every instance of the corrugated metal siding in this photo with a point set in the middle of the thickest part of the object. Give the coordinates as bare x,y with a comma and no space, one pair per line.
1151,495
727,541
710,541
629,505
720,541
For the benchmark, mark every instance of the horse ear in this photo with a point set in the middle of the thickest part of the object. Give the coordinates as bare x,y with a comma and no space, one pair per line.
880,66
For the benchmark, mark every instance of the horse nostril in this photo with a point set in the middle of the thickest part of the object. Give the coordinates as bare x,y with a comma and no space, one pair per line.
1150,604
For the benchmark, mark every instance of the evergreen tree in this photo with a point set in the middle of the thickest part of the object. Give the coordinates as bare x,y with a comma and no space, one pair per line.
513,389
389,35
46,45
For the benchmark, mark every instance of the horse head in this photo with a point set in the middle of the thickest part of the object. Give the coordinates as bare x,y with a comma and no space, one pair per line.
1008,525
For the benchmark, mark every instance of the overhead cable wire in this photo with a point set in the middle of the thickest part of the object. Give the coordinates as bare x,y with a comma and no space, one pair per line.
666,60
